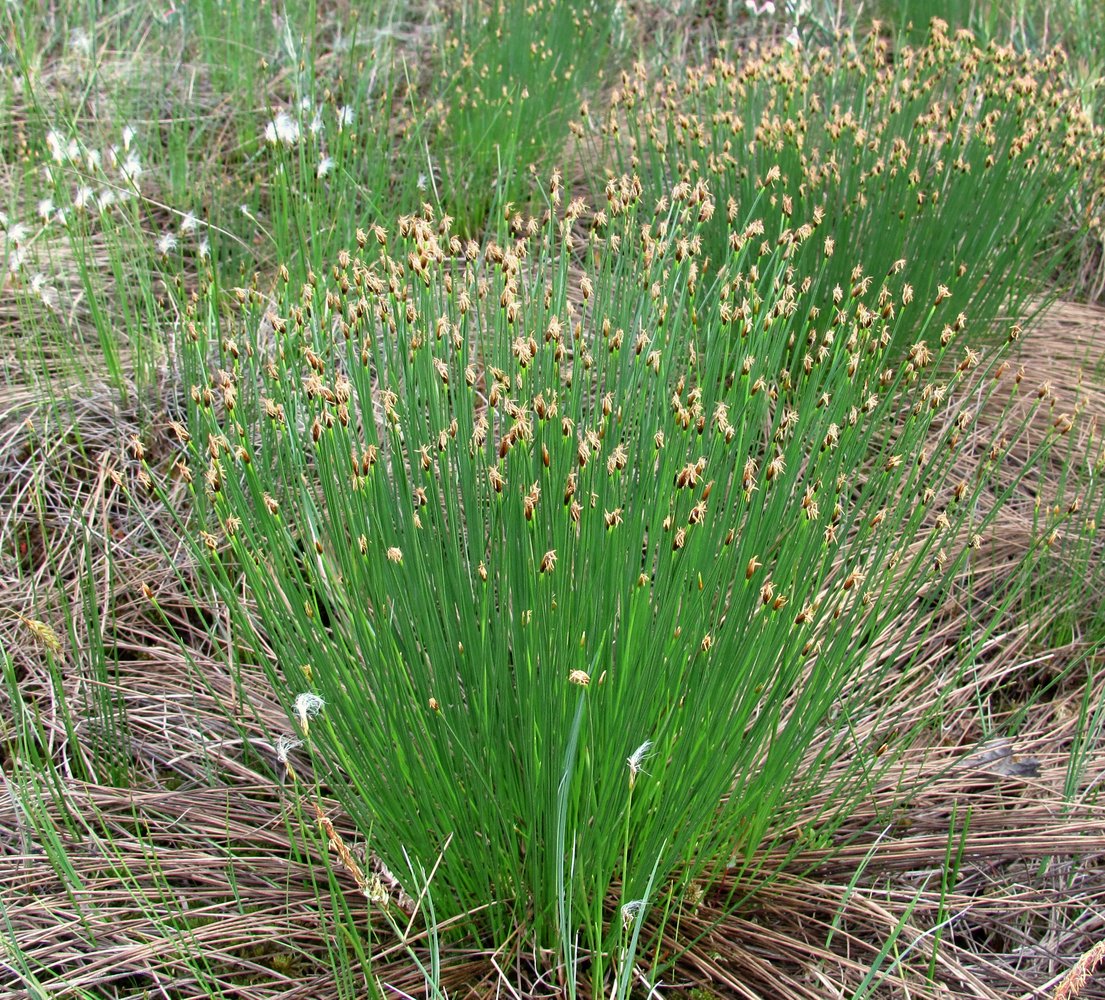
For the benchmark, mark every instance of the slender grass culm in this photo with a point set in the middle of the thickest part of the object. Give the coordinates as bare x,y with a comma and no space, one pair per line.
585,485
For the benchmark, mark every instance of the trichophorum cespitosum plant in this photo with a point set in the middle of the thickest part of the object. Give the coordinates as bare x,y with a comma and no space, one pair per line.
963,160
571,546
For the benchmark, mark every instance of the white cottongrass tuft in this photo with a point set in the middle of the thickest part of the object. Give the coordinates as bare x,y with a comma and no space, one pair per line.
306,706
42,290
325,165
285,744
57,146
631,910
203,249
636,759
128,137
166,244
131,168
45,209
80,42
345,117
188,223
283,129
17,233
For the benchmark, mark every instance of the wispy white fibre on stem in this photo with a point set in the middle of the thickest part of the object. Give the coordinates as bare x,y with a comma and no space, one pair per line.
636,759
306,706
630,911
285,744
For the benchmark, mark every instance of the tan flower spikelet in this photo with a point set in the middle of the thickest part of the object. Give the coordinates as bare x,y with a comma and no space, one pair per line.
1080,974
43,634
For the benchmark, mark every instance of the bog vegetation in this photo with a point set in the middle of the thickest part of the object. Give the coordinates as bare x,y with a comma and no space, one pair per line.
491,507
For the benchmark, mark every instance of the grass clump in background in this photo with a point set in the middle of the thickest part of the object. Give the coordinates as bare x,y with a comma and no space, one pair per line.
515,73
907,153
605,589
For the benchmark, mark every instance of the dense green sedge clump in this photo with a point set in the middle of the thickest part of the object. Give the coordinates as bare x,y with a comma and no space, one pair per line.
962,161
578,543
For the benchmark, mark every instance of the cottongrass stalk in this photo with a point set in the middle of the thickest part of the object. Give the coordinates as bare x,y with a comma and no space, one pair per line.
96,266
506,515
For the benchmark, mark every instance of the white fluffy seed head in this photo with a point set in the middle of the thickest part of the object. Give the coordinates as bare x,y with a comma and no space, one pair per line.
306,706
285,744
630,911
636,759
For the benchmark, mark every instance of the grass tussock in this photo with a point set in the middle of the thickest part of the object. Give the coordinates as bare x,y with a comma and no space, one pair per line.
903,151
